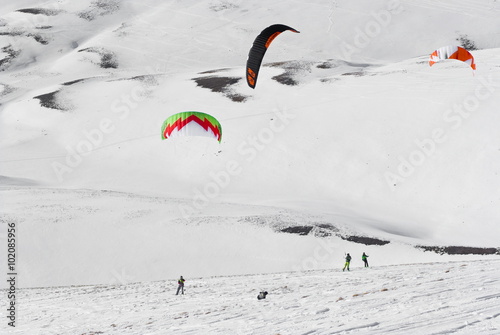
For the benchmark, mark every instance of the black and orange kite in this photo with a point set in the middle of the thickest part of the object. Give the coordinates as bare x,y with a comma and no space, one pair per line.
259,48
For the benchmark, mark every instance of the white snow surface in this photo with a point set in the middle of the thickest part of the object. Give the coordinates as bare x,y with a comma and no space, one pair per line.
432,298
349,136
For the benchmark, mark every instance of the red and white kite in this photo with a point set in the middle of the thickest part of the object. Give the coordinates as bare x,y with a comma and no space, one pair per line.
452,52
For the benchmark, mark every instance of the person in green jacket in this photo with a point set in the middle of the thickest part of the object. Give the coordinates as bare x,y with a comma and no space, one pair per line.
347,262
181,285
365,259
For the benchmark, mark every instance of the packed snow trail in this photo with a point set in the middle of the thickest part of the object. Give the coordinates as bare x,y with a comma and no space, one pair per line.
433,298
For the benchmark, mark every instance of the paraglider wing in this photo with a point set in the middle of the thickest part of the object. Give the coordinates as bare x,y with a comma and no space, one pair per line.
191,124
452,52
259,48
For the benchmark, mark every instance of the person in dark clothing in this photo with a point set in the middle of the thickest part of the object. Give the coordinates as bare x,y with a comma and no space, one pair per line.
347,262
365,259
262,295
181,285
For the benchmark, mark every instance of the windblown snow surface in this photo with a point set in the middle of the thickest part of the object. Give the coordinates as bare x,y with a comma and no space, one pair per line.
431,298
349,143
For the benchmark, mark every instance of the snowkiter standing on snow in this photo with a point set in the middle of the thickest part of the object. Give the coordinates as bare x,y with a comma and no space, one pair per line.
181,285
365,259
347,262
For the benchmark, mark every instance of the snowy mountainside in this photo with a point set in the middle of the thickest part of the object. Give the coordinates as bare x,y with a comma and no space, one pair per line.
432,298
348,127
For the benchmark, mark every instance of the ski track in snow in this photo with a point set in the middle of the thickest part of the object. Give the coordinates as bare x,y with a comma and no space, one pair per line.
471,8
433,298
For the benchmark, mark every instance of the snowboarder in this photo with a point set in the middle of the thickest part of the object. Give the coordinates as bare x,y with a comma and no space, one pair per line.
347,262
262,295
181,285
365,259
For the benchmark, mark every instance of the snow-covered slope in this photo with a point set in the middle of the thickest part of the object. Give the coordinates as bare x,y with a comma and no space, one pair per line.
437,298
348,129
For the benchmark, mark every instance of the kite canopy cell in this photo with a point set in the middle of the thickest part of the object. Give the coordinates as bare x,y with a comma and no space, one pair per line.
259,49
191,124
452,52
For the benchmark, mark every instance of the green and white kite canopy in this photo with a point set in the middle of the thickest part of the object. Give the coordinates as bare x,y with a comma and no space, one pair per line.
191,124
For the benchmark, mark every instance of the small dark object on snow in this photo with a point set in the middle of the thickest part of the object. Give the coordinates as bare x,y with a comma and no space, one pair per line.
262,295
